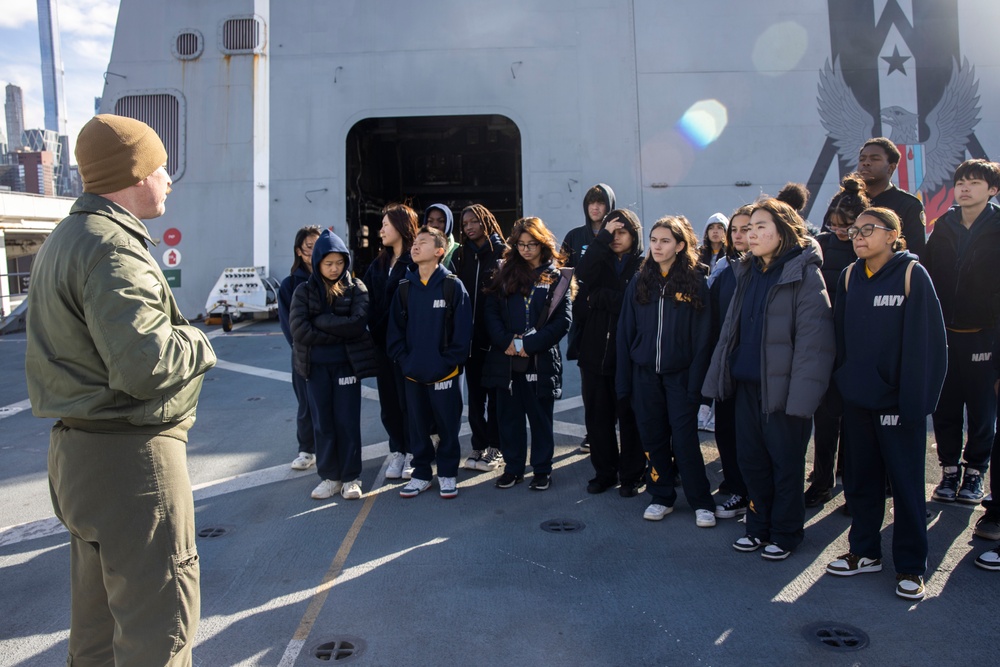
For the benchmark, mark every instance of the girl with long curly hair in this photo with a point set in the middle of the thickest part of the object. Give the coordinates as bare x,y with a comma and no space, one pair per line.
664,343
527,314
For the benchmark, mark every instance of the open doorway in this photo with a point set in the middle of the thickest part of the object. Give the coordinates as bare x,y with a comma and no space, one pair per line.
453,160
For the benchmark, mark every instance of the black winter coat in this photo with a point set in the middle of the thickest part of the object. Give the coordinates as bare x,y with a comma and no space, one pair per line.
315,322
599,302
475,268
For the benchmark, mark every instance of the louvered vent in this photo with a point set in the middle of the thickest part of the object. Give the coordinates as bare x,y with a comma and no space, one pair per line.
242,34
163,112
188,45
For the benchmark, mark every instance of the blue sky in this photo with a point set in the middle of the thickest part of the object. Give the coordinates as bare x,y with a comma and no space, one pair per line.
86,30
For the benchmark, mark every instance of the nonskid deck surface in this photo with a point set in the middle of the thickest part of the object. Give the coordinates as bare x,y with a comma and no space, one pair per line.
475,580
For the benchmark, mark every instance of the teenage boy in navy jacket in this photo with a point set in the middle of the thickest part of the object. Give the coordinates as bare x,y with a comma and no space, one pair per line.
961,258
430,330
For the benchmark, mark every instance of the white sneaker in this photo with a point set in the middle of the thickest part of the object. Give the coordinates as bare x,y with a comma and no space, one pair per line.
704,518
448,487
394,470
656,512
304,461
470,463
408,467
326,489
415,487
351,490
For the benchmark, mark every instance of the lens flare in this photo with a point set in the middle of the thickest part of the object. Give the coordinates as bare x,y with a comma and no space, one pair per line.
703,122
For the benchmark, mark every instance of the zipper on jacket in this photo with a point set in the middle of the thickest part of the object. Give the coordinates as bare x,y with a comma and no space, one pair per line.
659,329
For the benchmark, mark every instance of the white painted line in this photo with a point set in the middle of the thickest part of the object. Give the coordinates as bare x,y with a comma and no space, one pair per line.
283,376
34,530
14,408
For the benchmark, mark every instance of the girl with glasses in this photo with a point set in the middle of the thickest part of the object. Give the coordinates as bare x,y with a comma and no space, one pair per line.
891,360
527,314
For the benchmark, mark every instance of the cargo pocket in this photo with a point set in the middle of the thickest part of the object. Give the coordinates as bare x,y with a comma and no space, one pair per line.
187,574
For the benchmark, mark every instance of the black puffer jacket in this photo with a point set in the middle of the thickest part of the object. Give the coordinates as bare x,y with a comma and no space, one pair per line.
315,322
599,301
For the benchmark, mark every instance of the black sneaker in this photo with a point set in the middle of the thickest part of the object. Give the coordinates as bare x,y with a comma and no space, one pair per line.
815,496
508,479
540,482
631,489
988,526
598,486
732,508
585,444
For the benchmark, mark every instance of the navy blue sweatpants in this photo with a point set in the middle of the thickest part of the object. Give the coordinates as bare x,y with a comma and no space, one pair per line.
725,441
433,407
772,452
522,401
877,445
967,387
335,401
303,418
668,425
482,404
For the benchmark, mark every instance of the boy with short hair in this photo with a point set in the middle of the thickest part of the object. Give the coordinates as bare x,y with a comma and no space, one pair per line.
430,330
961,259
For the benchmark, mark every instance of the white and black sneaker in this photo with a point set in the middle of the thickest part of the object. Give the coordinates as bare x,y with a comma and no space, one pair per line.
774,552
490,460
473,460
732,508
748,543
850,564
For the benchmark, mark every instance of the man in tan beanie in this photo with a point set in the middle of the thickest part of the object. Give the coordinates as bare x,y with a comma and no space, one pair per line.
110,356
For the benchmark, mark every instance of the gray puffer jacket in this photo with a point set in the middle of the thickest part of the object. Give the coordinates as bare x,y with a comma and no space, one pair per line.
797,343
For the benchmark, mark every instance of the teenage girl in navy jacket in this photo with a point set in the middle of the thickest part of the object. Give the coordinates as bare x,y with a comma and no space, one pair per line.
892,356
664,343
305,238
527,314
399,228
333,351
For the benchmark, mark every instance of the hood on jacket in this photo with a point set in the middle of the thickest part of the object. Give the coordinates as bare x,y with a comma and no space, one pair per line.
326,243
609,200
632,224
717,219
449,219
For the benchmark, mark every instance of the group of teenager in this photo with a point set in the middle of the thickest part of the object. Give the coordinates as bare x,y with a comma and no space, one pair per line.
846,335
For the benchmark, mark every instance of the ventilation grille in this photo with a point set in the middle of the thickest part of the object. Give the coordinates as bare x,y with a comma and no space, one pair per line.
242,34
188,45
162,111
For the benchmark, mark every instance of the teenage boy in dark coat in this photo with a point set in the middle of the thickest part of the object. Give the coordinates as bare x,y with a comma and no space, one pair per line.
604,273
961,258
429,338
877,162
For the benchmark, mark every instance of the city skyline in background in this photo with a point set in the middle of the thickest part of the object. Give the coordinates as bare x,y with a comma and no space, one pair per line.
86,30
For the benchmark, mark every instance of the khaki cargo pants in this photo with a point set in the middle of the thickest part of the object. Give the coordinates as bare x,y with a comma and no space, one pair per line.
125,498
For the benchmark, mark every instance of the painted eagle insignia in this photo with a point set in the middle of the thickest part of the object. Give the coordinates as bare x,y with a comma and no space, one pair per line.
950,123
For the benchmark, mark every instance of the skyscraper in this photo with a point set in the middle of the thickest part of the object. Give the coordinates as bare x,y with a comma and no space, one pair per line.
14,108
52,67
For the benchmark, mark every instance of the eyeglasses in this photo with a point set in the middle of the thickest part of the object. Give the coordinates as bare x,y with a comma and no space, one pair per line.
865,230
528,246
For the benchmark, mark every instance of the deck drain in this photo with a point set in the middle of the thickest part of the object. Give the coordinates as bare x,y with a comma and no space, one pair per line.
838,637
216,531
562,526
340,650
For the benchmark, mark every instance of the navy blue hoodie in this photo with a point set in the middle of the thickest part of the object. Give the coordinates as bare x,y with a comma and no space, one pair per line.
417,344
892,350
665,336
326,243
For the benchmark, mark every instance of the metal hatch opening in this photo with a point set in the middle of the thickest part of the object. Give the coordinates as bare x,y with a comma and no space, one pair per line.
454,160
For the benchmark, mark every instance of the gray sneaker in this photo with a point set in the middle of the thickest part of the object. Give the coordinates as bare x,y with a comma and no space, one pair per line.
947,490
971,492
490,460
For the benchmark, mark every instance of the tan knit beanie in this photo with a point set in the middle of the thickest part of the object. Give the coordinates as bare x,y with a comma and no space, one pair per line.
116,152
